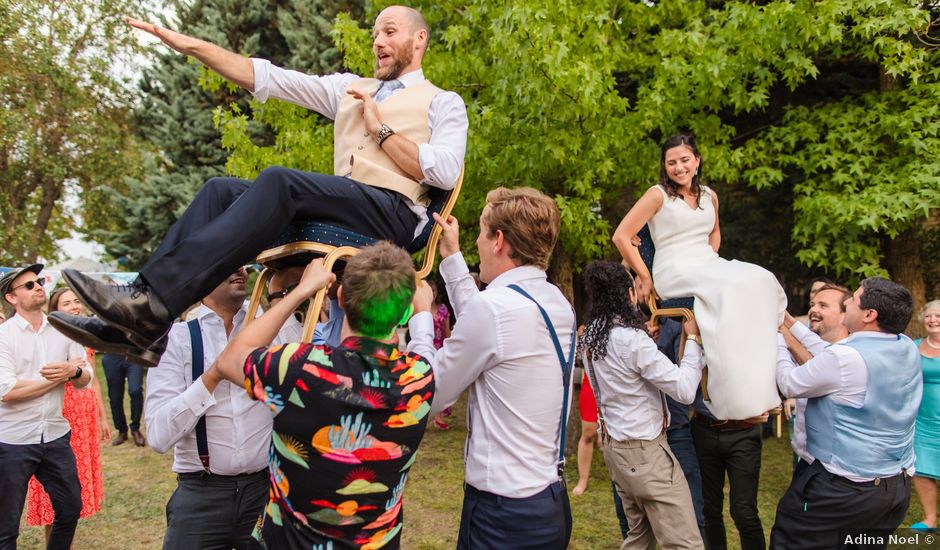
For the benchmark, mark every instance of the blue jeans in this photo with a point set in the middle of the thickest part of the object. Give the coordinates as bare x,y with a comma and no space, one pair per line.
680,441
53,464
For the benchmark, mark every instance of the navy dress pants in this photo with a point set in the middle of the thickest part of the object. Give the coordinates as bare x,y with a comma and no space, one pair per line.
539,522
119,373
231,220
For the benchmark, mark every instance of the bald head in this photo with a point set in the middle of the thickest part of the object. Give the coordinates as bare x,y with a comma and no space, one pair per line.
412,17
399,40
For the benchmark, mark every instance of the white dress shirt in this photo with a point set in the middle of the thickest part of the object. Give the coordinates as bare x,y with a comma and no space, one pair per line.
238,428
441,159
814,344
23,352
837,371
501,349
633,377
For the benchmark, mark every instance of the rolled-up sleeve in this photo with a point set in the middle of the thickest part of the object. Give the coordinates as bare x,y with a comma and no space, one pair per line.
7,367
320,93
441,159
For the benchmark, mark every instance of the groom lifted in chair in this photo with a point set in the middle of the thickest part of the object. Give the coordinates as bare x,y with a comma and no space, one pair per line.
395,136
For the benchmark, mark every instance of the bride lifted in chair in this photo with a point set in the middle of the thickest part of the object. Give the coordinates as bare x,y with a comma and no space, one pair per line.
738,306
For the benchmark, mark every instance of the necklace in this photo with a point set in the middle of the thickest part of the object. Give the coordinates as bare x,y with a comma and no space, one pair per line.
931,344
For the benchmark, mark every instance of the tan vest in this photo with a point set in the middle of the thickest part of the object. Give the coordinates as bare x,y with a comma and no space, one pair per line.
356,154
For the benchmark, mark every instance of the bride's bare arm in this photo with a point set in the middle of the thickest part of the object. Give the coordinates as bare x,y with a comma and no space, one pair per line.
714,238
638,216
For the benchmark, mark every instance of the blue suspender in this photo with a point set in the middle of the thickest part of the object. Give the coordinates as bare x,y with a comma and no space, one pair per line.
566,366
202,441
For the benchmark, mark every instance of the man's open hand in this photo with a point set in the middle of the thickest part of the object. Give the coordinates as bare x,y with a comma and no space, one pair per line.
369,111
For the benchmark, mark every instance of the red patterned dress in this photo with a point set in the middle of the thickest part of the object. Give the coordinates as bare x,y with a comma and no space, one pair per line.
80,408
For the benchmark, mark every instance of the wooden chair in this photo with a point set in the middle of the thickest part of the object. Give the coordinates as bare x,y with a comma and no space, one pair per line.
304,241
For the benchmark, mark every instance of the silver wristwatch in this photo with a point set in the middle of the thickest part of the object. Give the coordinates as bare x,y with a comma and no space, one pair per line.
384,133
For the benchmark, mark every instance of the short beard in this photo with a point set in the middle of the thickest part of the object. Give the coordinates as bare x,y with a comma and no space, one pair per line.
403,58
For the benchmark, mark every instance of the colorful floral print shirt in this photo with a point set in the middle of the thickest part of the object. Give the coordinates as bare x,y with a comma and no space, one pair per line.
347,423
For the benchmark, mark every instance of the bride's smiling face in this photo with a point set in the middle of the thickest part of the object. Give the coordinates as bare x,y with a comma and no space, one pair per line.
681,163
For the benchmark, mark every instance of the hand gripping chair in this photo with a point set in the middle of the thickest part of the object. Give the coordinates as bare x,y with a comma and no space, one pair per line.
303,241
677,307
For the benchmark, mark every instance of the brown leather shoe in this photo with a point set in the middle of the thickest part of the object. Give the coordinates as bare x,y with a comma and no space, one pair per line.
138,438
120,439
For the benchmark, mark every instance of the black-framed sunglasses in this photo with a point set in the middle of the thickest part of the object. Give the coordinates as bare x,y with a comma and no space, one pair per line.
29,285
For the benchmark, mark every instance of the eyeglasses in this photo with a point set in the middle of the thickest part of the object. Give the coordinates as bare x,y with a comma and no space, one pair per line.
28,285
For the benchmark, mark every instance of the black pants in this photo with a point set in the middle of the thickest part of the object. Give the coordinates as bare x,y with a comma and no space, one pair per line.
737,453
541,521
823,510
117,370
231,220
53,464
215,512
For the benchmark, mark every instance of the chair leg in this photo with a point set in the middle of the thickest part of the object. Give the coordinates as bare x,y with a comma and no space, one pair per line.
256,293
313,310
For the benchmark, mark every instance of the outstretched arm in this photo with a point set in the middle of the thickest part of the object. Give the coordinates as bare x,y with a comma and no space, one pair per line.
234,67
638,216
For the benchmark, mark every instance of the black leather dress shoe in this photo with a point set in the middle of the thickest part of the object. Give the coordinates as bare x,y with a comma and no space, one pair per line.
134,309
138,438
121,438
93,333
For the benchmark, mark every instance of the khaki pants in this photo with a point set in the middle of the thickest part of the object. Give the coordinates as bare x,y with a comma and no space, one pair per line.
655,495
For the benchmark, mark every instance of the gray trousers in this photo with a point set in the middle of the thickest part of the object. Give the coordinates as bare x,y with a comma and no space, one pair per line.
655,495
212,512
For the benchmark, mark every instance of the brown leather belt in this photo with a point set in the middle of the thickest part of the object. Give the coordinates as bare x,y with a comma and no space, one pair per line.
722,425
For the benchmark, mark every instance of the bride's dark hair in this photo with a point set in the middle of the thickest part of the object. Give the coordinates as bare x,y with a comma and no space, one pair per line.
608,290
672,189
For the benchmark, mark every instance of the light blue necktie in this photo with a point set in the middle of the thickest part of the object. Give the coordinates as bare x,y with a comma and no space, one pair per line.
386,90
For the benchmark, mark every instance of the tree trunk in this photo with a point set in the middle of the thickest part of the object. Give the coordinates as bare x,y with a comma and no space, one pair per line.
903,262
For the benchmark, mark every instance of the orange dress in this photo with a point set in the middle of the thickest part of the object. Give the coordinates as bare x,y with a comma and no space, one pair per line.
80,408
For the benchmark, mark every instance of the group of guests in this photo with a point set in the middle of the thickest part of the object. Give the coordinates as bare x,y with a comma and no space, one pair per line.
318,438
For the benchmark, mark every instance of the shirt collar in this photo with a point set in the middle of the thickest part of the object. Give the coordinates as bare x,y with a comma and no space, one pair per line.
203,313
412,78
518,274
375,348
869,334
23,324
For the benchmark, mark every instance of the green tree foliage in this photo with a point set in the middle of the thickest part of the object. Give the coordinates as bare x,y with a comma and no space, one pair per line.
178,100
63,120
574,98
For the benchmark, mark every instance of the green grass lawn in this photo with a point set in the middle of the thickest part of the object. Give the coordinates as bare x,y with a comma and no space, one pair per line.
138,483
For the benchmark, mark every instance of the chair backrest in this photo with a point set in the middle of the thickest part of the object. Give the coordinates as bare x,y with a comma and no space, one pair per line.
442,202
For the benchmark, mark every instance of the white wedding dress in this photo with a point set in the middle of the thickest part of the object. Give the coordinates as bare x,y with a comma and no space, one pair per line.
738,307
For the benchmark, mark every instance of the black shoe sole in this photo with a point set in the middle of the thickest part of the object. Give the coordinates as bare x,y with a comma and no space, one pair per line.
142,342
142,357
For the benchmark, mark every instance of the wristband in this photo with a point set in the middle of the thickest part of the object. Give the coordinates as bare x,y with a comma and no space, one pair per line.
695,338
78,374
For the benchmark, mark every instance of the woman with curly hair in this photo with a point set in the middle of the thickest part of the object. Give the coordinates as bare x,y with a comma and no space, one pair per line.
629,376
738,305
